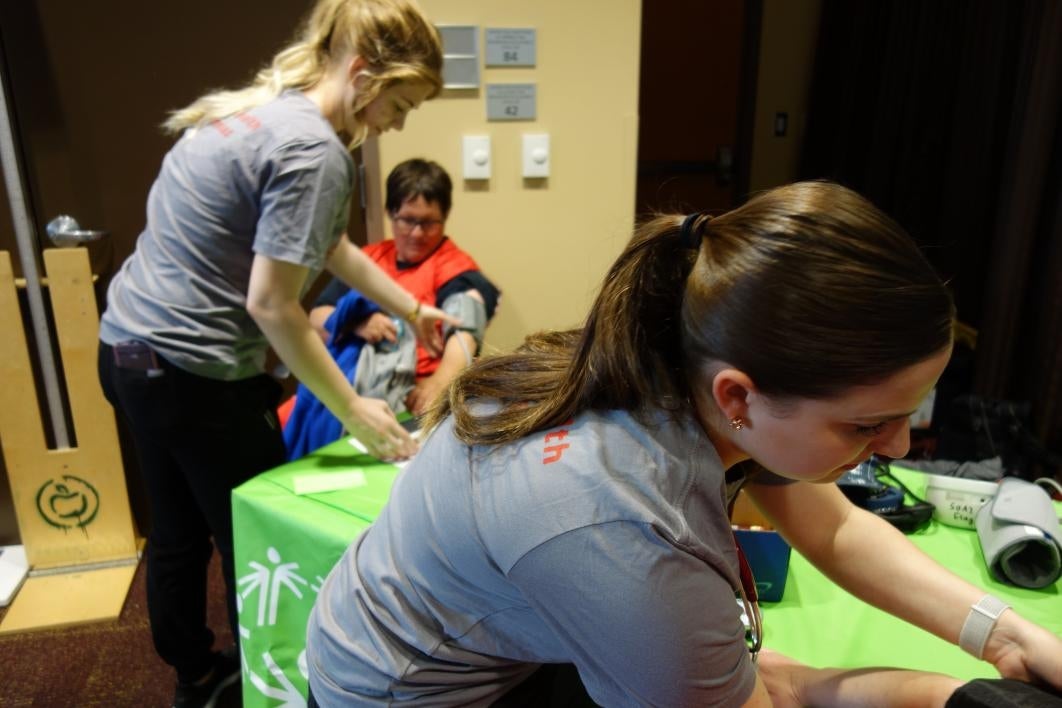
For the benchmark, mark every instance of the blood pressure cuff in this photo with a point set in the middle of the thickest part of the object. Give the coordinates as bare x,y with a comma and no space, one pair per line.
471,312
1020,535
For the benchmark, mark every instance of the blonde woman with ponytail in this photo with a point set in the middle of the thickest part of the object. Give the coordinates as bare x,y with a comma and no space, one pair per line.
248,208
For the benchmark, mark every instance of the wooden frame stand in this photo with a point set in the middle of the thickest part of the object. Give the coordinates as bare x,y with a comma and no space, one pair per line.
71,504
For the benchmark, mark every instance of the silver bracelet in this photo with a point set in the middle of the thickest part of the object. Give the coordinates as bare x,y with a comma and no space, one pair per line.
979,623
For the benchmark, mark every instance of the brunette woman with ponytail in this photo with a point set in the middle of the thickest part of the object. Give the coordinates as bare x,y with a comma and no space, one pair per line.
570,504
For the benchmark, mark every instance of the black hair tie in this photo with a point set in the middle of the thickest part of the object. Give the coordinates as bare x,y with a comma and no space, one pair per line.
691,238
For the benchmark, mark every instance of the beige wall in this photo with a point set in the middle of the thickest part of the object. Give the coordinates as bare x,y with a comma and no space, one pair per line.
547,245
787,54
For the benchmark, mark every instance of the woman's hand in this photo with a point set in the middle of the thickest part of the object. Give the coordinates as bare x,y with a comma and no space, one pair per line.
424,394
783,678
427,333
1025,651
372,422
377,327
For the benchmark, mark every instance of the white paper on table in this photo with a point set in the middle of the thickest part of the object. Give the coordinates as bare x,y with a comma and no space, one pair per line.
317,482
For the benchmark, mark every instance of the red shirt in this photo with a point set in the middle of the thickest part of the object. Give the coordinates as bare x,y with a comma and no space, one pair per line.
423,280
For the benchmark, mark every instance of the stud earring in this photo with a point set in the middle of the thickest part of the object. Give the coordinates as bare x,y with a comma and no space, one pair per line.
737,423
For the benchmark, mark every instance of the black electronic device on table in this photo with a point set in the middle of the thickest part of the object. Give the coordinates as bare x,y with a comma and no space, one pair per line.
865,487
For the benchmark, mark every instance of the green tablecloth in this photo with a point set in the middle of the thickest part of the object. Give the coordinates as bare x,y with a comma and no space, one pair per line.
285,545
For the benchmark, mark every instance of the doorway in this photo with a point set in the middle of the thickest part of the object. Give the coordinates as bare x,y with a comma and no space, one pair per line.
696,104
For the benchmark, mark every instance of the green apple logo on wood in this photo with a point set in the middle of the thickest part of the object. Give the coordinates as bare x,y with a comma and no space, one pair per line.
68,503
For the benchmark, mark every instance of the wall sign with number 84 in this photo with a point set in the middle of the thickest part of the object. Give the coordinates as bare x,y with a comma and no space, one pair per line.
510,47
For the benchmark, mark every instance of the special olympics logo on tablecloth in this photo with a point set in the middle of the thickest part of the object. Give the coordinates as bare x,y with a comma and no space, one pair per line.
68,503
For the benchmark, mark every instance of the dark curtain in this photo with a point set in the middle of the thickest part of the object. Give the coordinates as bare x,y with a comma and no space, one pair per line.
946,114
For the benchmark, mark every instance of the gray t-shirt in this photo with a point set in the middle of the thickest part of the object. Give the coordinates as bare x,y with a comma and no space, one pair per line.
275,180
604,543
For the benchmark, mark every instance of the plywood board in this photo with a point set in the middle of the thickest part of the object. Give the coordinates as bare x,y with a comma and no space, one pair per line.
64,599
72,505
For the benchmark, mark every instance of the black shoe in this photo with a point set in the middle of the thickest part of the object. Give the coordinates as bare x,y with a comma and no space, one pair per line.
205,694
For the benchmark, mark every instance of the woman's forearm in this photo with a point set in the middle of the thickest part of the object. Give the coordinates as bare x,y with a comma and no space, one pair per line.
792,684
357,270
877,688
273,302
897,576
288,330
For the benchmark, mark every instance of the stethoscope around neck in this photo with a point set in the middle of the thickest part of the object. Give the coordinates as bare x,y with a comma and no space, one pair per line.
751,602
746,590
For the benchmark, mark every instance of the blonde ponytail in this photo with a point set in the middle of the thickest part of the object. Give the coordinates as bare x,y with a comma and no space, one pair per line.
393,36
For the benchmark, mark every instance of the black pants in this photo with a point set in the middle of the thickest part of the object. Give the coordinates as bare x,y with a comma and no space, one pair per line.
196,440
550,686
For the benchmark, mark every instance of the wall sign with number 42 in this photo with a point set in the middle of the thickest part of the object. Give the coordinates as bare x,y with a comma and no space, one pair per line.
511,101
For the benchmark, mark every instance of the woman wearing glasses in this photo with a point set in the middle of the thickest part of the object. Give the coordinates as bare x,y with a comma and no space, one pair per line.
249,206
570,504
430,265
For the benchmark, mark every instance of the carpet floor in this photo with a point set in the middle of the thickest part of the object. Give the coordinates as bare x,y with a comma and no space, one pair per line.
104,663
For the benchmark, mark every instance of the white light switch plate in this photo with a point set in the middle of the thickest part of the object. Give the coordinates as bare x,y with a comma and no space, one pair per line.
536,155
476,157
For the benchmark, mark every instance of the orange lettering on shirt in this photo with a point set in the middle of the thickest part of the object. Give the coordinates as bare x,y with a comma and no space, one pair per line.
553,452
248,120
221,128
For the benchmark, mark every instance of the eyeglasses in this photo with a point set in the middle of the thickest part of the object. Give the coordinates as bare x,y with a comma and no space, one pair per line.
408,224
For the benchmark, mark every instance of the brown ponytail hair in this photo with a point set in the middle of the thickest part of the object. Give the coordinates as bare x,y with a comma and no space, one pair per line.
807,288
